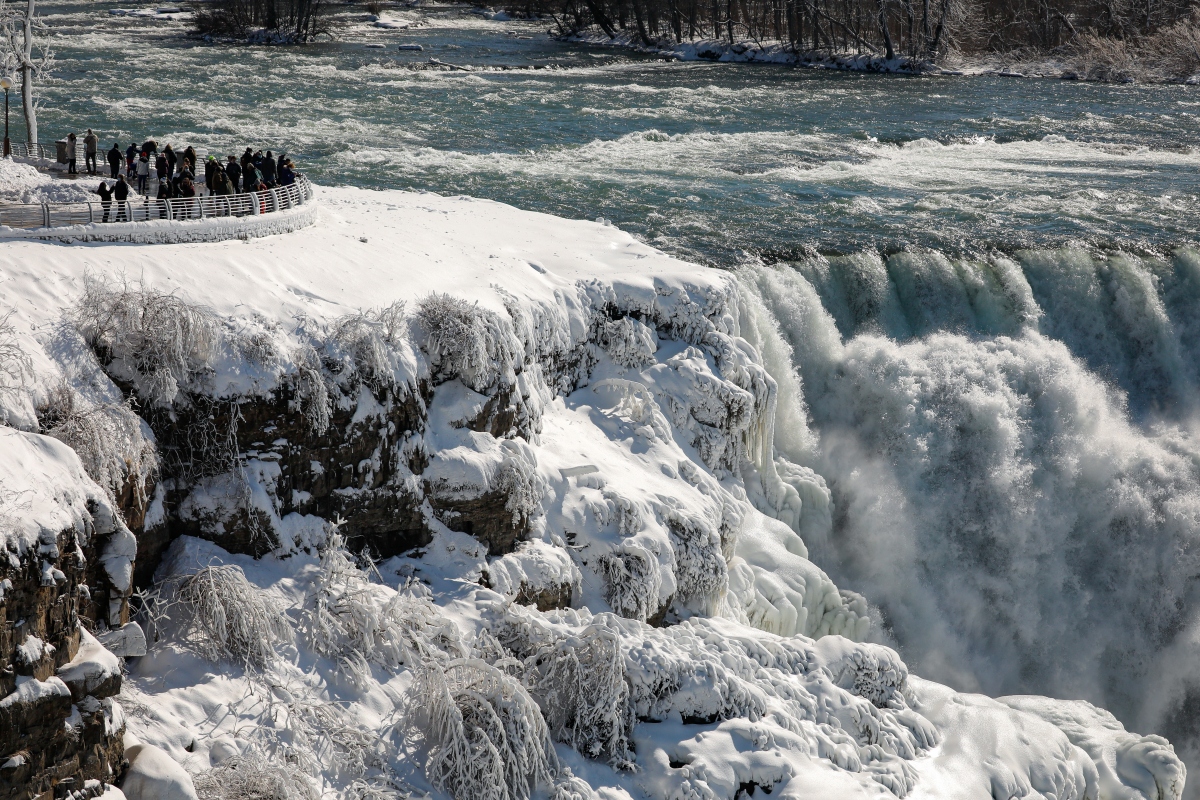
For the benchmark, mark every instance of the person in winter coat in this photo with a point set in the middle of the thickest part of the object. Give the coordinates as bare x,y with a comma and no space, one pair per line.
143,172
189,158
72,150
234,172
131,153
221,183
105,199
89,151
121,194
114,160
270,170
160,167
287,175
172,160
250,178
210,169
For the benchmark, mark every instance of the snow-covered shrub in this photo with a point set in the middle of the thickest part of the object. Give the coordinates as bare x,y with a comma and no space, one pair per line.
468,342
518,481
311,395
362,344
485,735
701,574
157,341
579,682
110,440
15,367
629,343
632,581
354,620
254,777
227,617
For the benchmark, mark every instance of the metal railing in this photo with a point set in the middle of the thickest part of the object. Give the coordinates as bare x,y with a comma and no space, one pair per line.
33,216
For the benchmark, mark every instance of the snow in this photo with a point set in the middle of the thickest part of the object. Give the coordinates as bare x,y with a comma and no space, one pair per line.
92,665
154,775
31,690
21,183
649,485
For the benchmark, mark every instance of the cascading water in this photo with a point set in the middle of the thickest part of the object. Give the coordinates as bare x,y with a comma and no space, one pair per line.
1011,447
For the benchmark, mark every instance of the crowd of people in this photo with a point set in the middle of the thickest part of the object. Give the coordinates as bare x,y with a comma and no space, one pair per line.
169,173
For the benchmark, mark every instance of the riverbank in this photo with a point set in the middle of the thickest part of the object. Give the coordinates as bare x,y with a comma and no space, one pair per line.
1102,63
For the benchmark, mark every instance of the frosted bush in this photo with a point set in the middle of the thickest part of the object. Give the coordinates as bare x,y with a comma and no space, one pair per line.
311,395
701,574
348,617
363,344
15,367
227,617
629,343
157,341
518,481
579,682
253,777
110,441
485,735
468,342
632,581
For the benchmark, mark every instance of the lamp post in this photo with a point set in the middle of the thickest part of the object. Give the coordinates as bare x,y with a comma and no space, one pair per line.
6,84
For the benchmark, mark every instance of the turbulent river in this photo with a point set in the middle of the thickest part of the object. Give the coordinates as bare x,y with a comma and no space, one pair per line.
979,296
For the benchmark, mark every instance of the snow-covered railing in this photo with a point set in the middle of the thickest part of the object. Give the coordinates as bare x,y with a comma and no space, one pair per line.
33,216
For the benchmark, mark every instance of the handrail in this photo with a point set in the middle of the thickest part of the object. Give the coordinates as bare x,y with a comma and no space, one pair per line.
33,216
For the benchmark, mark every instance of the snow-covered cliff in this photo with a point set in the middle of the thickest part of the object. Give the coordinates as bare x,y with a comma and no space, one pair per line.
589,569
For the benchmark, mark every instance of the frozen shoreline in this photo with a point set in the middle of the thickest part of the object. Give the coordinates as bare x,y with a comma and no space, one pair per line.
749,52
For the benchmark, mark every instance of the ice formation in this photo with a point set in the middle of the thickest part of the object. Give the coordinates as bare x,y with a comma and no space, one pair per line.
482,503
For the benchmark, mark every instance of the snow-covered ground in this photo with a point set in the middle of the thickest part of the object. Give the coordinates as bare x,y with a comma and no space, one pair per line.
642,459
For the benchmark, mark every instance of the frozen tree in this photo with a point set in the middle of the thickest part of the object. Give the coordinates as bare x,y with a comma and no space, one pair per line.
23,49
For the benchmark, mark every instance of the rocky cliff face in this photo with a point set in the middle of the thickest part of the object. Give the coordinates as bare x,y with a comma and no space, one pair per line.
64,574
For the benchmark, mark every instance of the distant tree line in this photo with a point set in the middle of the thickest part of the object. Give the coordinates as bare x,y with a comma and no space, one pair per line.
919,29
273,21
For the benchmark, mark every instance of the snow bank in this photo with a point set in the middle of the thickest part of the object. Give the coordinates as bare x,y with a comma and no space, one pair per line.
21,183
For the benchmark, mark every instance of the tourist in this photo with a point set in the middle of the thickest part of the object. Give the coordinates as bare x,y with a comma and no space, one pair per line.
150,147
114,160
72,153
105,198
143,172
210,168
172,159
121,194
250,177
221,183
131,153
234,172
89,151
287,175
189,158
269,169
161,170
164,194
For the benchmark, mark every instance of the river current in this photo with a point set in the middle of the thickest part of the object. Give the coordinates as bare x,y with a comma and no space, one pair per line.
980,296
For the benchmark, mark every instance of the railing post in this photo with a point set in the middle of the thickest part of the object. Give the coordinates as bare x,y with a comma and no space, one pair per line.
91,214
45,215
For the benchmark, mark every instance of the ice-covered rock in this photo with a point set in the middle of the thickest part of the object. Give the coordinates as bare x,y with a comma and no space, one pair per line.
154,775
